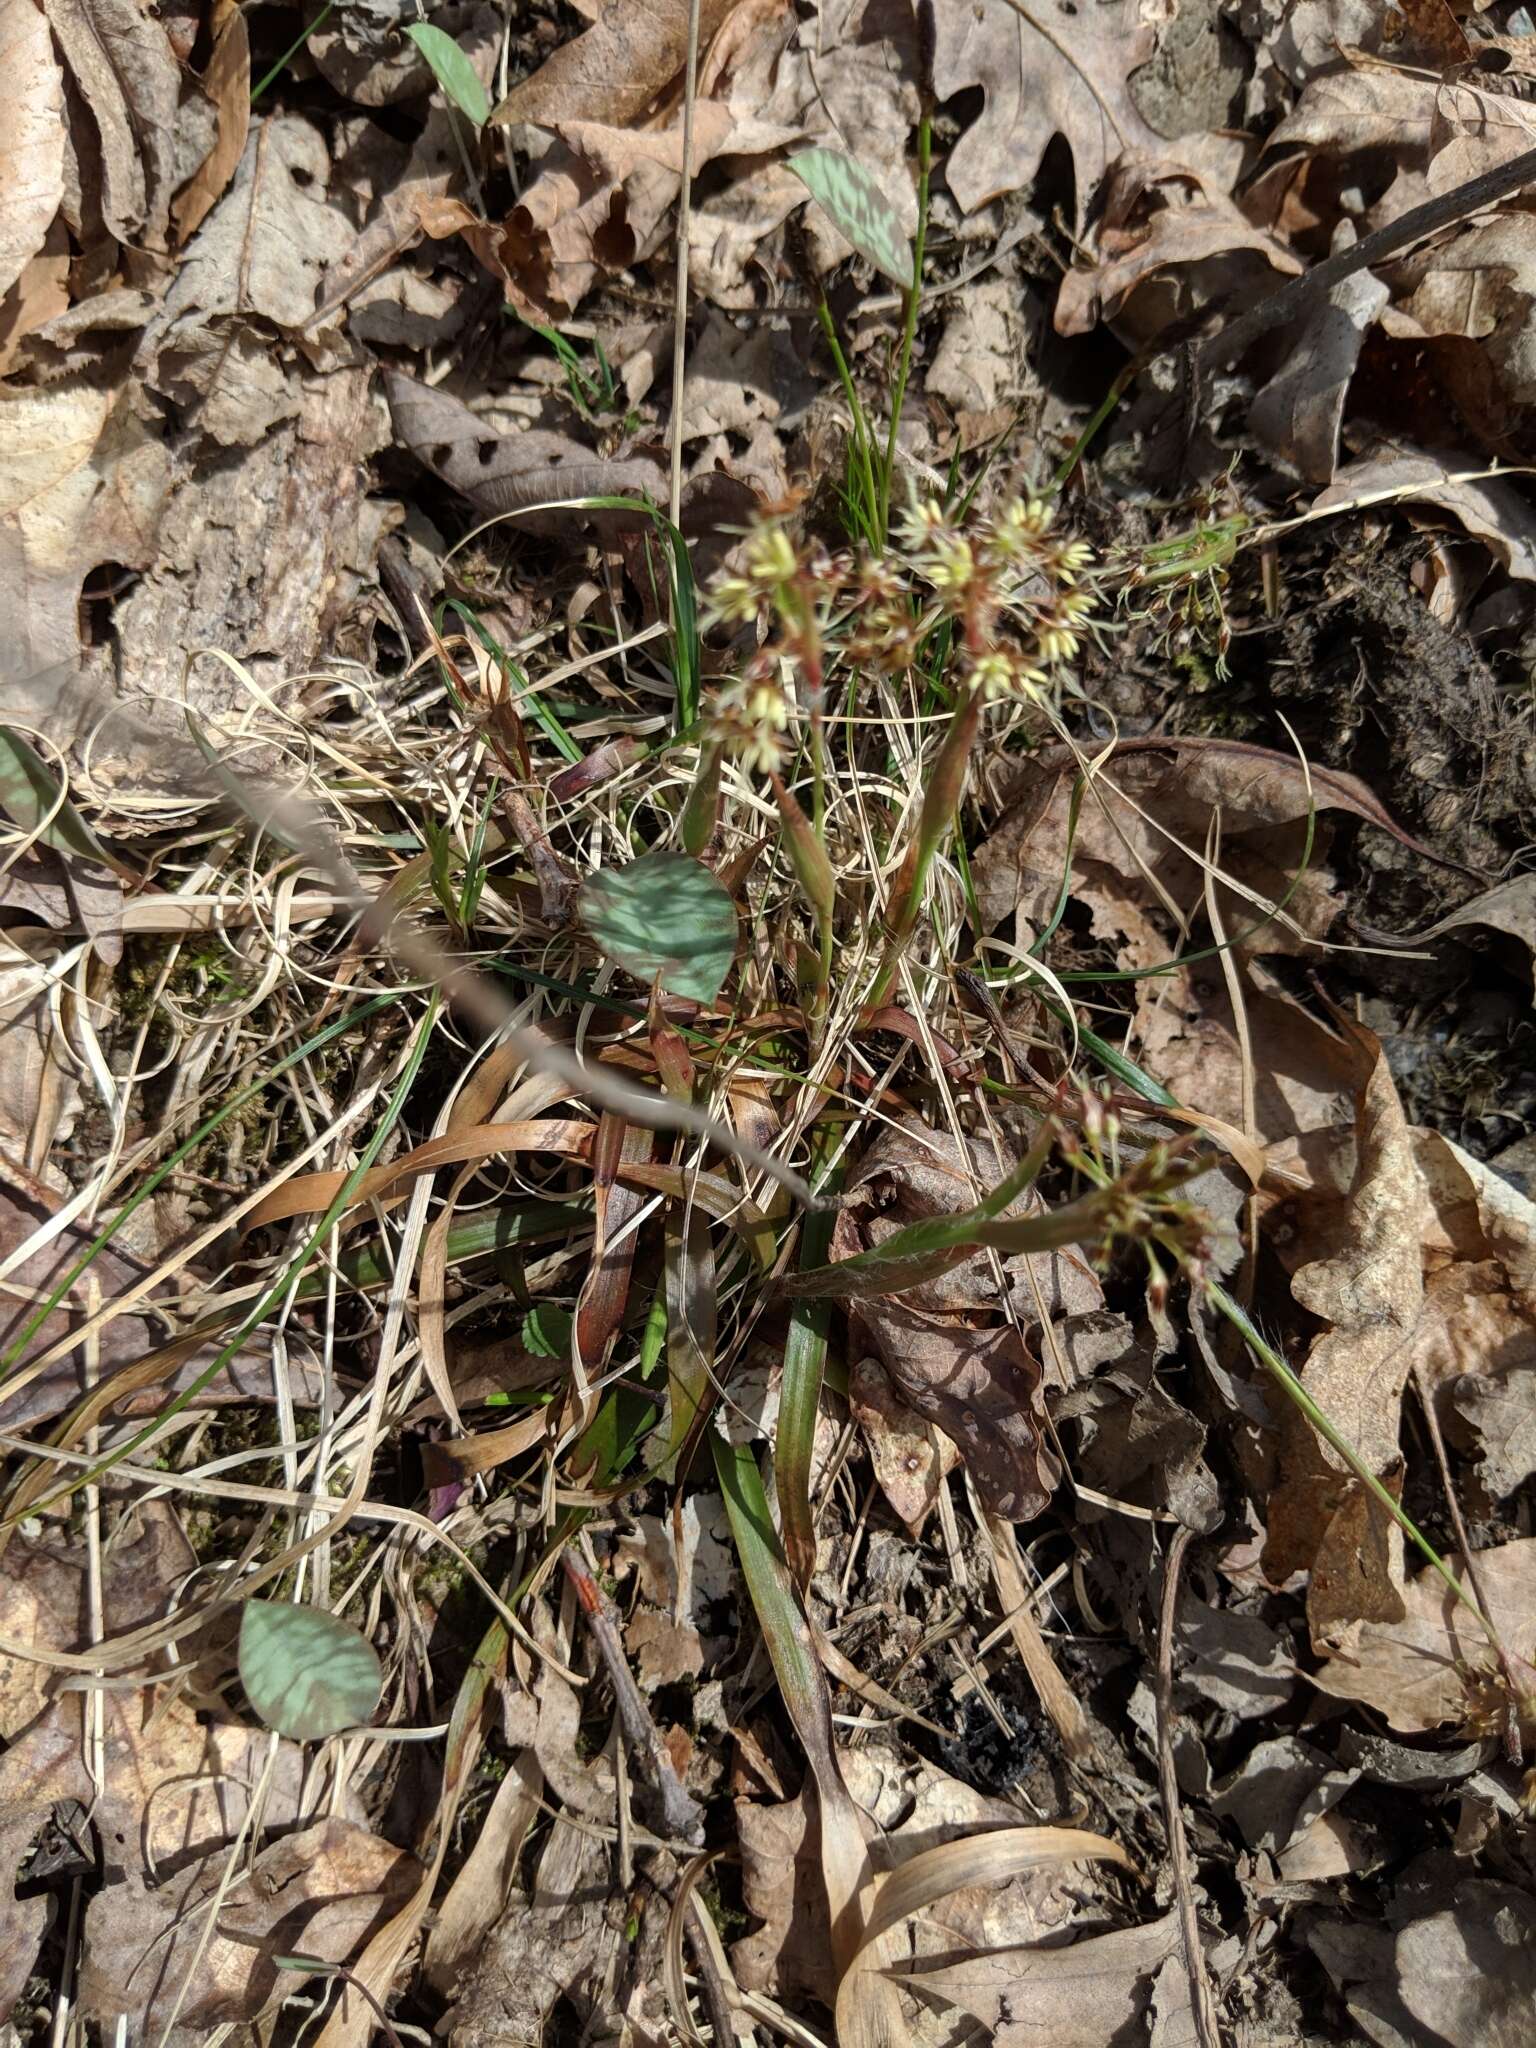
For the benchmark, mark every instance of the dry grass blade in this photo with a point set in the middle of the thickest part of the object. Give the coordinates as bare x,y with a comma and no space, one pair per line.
933,1874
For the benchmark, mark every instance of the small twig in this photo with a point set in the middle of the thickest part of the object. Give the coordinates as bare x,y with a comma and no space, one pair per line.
1513,1747
1201,2002
1282,306
682,1818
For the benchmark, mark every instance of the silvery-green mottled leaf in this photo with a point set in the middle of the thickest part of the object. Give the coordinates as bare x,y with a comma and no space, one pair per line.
453,71
860,211
306,1673
547,1331
665,914
29,791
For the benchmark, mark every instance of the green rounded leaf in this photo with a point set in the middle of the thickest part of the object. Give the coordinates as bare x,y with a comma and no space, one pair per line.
665,914
453,71
306,1673
861,212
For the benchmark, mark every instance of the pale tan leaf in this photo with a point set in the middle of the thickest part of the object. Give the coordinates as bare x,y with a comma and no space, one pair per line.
616,69
1369,1292
121,62
227,82
31,136
1489,508
1415,1671
933,1874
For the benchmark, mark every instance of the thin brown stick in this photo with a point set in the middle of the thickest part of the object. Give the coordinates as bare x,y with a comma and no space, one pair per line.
682,1817
1298,294
1201,2001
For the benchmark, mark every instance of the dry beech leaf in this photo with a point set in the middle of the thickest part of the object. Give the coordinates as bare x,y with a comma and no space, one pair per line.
31,136
1369,1291
1414,1671
1043,72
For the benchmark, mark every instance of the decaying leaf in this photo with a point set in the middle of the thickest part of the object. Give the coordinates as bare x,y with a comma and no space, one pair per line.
81,482
1369,1292
1141,835
519,474
44,1601
1460,1976
32,148
1509,907
977,1384
1077,1995
906,1809
175,1794
319,1893
1423,1672
36,1390
120,61
1489,508
616,69
1043,72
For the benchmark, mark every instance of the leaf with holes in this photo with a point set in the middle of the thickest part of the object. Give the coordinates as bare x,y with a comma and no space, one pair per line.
664,915
453,71
859,210
305,1673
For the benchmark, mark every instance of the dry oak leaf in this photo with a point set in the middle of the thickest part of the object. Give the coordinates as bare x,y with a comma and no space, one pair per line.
1161,217
149,1957
31,136
1141,834
1370,1293
1415,1671
1045,70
